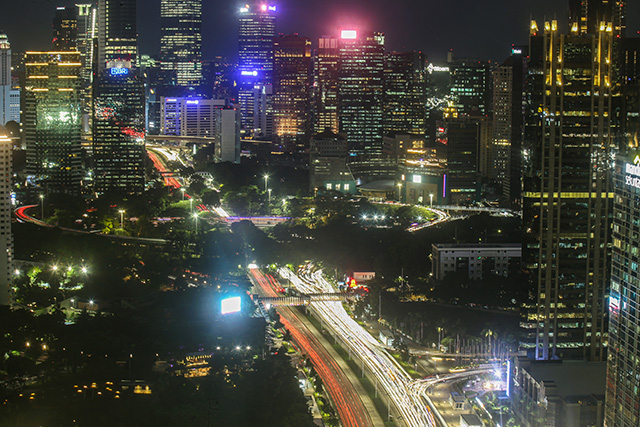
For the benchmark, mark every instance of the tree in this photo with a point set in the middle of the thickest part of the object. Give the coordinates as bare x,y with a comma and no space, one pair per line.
211,197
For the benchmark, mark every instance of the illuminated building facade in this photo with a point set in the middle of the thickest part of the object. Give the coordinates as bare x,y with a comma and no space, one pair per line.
255,68
404,93
291,88
9,95
65,29
328,168
181,41
189,116
623,384
52,120
570,140
585,16
506,143
87,32
118,131
325,95
117,32
361,91
471,86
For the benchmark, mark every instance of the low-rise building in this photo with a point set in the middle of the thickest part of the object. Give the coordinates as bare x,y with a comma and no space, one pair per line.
474,259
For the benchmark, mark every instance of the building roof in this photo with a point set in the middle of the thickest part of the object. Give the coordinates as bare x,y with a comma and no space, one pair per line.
572,378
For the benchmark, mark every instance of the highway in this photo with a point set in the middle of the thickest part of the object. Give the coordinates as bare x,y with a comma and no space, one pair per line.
441,217
347,400
382,368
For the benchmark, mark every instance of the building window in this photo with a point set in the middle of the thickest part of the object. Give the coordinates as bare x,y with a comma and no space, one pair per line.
329,186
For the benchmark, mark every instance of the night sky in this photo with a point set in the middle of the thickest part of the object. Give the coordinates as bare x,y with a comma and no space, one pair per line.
483,29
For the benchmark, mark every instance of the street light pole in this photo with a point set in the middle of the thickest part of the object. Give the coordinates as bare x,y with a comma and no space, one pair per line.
182,189
191,205
269,191
42,206
266,178
121,218
195,218
399,189
431,201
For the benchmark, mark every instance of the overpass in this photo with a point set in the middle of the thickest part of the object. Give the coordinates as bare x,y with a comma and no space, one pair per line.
308,299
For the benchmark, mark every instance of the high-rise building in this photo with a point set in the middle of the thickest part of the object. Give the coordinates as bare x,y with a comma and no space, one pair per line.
9,95
585,16
65,29
471,86
227,134
325,87
181,42
189,116
52,120
405,94
255,68
623,384
361,92
87,33
570,141
118,131
291,88
6,238
117,32
328,168
506,142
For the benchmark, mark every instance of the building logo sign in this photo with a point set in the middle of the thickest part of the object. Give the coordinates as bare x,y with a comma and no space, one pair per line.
431,68
119,71
632,177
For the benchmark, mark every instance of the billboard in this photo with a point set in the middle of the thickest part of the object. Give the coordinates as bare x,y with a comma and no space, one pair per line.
230,305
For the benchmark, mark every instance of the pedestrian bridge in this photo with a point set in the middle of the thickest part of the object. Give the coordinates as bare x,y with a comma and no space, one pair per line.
308,299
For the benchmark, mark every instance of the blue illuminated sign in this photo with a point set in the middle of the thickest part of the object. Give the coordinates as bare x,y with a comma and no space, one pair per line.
119,71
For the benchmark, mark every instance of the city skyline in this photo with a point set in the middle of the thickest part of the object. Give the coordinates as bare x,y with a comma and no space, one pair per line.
407,27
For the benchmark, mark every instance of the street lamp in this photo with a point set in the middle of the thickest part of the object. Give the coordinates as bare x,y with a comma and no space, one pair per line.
195,217
266,178
191,205
431,201
399,189
183,190
269,191
121,218
42,205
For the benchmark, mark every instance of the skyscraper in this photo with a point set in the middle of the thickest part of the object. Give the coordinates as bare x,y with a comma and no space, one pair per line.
65,29
52,120
117,32
118,131
585,16
291,88
623,384
571,137
471,86
325,88
9,96
255,68
6,238
87,31
405,93
361,92
181,42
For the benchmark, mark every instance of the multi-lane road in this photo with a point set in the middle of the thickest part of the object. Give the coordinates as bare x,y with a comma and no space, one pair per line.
347,399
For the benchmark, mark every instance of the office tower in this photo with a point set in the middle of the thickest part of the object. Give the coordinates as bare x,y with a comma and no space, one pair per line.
404,93
65,29
52,120
570,140
291,88
118,131
621,407
227,134
506,143
87,33
181,42
471,86
6,238
585,16
117,32
255,68
328,168
325,87
189,116
9,96
462,139
360,88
